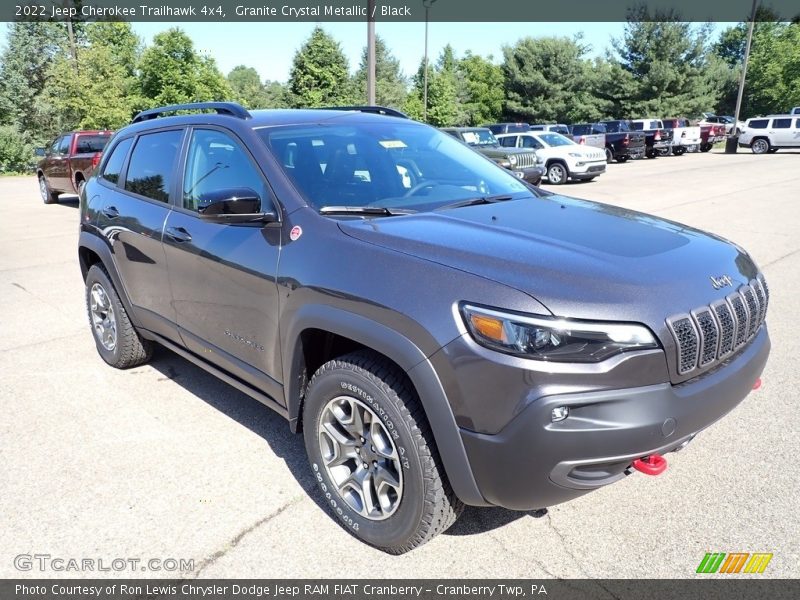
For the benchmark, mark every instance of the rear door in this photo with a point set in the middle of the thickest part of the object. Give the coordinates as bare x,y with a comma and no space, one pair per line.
223,277
782,133
136,206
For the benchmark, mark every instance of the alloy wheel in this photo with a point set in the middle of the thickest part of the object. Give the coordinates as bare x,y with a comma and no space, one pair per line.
760,146
104,321
43,189
360,458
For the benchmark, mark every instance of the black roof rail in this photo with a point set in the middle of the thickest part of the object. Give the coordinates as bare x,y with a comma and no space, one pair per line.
222,108
376,110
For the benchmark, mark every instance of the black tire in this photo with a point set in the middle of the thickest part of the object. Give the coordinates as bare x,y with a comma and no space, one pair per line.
557,173
129,349
81,183
609,156
622,159
427,505
760,145
652,153
46,192
679,151
587,179
705,147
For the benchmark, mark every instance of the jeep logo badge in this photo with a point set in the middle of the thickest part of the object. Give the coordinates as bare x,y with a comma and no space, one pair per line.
721,282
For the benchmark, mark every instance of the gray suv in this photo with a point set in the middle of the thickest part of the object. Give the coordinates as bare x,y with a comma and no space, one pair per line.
439,331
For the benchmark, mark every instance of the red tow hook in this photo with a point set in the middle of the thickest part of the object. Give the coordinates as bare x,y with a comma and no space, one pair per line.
655,464
757,384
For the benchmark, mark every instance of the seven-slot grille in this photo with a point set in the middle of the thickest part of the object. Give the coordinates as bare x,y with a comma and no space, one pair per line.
525,160
710,334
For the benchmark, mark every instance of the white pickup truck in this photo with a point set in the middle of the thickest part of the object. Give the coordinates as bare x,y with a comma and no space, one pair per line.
685,137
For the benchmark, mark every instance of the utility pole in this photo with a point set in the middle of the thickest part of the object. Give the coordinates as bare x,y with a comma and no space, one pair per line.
371,74
428,4
732,143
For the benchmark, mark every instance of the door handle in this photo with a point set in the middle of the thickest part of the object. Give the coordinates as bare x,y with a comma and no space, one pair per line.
111,212
179,234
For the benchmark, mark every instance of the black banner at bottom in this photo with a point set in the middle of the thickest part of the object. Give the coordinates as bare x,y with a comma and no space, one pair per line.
722,588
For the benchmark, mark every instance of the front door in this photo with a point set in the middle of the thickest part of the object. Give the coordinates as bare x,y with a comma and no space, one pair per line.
223,277
132,220
58,165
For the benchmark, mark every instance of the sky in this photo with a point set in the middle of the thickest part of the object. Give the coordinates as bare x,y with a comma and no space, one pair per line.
270,47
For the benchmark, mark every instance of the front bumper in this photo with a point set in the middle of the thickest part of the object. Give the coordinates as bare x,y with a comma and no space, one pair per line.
530,174
532,462
588,169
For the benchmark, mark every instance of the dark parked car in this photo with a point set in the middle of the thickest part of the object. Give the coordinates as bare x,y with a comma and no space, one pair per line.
68,162
622,143
498,128
523,162
439,332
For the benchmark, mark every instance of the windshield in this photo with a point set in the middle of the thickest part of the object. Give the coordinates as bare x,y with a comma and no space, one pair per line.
388,164
479,137
555,139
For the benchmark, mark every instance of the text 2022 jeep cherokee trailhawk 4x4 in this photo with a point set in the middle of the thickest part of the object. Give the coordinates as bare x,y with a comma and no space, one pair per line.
441,332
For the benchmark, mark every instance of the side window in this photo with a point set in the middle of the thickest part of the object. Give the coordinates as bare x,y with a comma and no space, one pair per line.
782,123
217,162
64,144
115,161
152,164
758,124
529,142
797,124
509,142
53,149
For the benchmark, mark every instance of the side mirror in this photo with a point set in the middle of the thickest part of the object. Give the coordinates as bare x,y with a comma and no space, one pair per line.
233,205
39,151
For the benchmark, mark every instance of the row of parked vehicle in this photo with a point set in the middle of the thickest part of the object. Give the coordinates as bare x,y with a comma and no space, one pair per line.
555,151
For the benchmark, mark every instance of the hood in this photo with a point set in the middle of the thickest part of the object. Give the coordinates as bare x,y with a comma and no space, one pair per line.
500,151
586,152
579,259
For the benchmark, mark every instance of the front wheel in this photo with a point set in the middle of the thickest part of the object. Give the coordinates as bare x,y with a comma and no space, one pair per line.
760,146
373,455
557,174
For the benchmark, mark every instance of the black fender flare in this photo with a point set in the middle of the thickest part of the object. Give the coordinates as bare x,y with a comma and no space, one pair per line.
88,241
410,358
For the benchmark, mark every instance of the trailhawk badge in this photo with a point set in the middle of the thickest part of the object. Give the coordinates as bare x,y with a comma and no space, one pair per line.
721,282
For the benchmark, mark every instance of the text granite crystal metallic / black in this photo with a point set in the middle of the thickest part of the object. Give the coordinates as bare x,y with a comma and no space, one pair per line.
440,332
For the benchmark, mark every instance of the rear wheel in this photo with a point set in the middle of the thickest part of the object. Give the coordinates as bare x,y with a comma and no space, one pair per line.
373,455
116,339
705,147
557,174
609,155
48,195
760,146
679,150
622,159
652,153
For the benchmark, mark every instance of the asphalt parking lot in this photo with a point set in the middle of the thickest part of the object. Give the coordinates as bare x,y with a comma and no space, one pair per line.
165,461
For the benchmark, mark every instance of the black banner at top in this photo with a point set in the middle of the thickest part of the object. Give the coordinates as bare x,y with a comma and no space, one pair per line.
392,10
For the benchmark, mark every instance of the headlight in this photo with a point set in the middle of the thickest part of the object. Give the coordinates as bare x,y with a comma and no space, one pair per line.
575,154
553,339
512,159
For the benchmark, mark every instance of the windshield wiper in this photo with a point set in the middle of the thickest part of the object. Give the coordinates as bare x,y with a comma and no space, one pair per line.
478,200
380,211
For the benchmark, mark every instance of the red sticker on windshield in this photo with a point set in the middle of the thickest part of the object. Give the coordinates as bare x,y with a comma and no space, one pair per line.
295,233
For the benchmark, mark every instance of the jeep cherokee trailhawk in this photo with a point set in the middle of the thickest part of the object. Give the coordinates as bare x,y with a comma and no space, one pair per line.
441,332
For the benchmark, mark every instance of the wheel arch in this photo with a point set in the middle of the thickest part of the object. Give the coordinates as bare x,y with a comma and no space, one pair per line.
347,331
91,251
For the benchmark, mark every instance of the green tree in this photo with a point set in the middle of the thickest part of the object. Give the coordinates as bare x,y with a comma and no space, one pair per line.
172,72
276,95
98,88
25,64
443,105
547,80
483,93
247,88
320,73
390,84
670,69
16,150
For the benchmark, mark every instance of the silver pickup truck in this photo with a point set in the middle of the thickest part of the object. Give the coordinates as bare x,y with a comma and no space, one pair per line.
583,135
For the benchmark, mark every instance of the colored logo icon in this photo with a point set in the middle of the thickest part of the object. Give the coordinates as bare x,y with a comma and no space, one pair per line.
735,562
